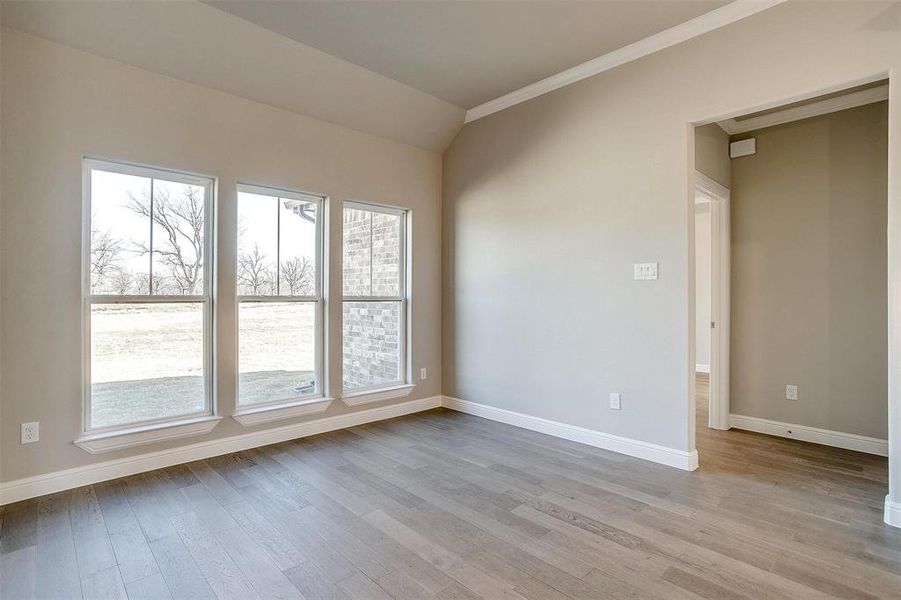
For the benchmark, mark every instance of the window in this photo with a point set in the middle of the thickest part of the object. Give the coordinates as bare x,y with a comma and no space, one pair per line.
148,302
375,297
280,304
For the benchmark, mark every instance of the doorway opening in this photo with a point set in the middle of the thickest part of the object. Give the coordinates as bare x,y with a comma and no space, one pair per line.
790,292
712,249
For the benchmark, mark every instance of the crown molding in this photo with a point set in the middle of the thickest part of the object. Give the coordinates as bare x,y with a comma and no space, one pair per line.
814,109
725,15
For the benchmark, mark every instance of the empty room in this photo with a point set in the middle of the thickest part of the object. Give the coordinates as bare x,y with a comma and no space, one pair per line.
450,300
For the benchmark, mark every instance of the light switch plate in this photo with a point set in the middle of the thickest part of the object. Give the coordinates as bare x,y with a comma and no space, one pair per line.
791,392
645,271
615,401
423,374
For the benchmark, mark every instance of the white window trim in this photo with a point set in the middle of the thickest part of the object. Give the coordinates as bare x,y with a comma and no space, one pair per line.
379,394
105,439
403,386
319,401
255,415
108,441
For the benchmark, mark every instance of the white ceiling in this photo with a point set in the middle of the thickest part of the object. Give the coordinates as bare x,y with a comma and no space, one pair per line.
402,69
463,52
195,42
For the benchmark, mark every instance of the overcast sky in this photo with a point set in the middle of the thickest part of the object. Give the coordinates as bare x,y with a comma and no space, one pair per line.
258,221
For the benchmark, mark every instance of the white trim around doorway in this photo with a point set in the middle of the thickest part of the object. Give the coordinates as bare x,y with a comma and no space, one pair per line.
709,191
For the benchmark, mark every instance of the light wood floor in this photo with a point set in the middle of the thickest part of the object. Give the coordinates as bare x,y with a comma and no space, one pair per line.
446,505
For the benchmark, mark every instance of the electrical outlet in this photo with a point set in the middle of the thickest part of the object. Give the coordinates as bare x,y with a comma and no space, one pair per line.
615,403
31,432
791,392
423,374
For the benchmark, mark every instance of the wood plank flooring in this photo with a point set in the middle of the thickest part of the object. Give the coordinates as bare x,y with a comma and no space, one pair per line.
442,505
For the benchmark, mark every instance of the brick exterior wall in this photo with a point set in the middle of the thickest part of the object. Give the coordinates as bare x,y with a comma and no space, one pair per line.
371,268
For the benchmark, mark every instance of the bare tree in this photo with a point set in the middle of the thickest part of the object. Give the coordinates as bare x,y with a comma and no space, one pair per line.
180,220
255,274
105,254
297,277
122,282
142,283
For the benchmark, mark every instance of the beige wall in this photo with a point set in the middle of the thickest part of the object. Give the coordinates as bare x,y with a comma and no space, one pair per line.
712,153
702,284
60,104
809,273
549,203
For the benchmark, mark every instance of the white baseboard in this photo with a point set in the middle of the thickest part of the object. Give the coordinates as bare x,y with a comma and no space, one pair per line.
680,459
30,487
849,441
892,512
699,368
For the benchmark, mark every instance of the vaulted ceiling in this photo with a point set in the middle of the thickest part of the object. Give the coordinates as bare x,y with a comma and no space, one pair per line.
404,70
467,53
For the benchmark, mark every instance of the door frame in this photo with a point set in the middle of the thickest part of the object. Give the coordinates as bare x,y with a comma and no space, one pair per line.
709,191
892,512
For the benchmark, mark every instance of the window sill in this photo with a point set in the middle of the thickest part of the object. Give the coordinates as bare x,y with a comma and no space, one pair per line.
264,414
378,395
108,441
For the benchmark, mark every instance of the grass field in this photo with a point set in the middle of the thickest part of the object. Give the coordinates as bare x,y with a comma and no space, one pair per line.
147,359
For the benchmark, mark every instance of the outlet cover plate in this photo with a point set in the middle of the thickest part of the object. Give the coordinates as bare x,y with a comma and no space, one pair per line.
31,432
615,401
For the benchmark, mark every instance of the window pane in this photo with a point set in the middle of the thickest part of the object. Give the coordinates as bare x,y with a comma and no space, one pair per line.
372,344
372,253
386,242
178,213
297,247
120,233
146,362
277,349
357,252
257,244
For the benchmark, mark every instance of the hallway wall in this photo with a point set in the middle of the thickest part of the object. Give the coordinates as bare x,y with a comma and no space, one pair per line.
809,219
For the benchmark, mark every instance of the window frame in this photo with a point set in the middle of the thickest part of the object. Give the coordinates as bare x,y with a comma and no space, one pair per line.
318,299
402,385
207,299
